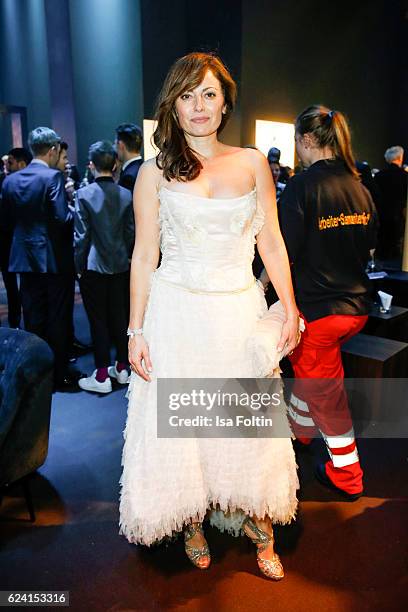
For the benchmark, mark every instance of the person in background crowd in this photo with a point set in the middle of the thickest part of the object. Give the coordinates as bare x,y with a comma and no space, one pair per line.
17,159
35,208
74,175
257,265
3,169
88,177
392,183
70,171
273,161
286,172
368,181
328,221
128,144
104,238
76,346
64,166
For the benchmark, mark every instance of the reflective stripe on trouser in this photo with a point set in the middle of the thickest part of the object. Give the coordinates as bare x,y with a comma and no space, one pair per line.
323,401
302,423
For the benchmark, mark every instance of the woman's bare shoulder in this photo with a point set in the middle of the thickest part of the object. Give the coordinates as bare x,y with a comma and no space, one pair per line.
150,168
254,156
247,153
150,173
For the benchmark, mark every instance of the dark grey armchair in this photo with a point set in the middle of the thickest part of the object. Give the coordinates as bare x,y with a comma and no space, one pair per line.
26,382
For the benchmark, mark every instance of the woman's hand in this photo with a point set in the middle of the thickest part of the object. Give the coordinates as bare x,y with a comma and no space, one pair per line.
138,353
290,335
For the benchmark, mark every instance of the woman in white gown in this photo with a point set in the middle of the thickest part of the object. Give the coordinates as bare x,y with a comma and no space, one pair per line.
203,204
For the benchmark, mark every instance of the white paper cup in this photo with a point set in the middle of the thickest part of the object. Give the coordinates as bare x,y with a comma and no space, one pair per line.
386,300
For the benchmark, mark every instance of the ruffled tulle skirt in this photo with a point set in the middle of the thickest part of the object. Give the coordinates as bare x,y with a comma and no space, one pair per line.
168,481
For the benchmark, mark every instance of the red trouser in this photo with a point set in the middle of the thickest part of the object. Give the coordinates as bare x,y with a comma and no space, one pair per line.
323,404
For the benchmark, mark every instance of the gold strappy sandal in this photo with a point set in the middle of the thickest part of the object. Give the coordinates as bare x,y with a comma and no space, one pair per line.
270,568
200,557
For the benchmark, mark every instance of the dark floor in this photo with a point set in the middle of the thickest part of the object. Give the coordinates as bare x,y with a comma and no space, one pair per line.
338,556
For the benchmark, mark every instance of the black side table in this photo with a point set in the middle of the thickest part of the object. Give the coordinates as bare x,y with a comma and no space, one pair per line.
392,325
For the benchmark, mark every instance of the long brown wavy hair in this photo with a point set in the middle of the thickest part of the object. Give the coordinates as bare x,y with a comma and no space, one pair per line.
176,159
330,128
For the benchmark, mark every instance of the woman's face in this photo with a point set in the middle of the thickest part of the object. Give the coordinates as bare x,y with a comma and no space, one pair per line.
200,111
275,169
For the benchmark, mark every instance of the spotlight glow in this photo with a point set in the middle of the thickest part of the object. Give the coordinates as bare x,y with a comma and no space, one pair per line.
149,148
276,134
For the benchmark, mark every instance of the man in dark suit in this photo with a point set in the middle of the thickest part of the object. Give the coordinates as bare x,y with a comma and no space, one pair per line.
392,183
35,207
368,180
18,159
128,144
104,238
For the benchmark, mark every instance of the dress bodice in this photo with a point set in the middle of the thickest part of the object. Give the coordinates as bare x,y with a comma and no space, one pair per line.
207,244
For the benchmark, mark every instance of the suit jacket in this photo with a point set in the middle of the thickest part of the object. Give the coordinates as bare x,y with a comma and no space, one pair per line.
104,227
128,176
35,210
392,182
6,236
368,181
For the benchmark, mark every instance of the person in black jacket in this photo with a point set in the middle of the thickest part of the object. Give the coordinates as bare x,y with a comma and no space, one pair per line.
17,159
35,208
329,226
392,182
368,181
104,238
128,143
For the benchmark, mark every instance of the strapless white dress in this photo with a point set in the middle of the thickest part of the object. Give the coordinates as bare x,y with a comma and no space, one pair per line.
202,307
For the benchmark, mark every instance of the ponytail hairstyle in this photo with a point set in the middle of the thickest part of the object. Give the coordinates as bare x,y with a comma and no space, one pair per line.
175,158
329,128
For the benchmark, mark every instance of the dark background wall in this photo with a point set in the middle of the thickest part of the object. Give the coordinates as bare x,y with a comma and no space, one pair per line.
24,65
107,67
60,72
172,29
287,54
75,64
347,55
83,66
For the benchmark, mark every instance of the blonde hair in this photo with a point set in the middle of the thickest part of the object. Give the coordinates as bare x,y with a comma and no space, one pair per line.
330,128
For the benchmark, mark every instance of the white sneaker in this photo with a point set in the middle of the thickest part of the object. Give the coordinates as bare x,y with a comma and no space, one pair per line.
122,377
91,384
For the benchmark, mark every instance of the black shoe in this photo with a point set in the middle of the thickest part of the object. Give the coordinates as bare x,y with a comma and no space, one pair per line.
66,384
70,380
320,473
75,374
78,348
